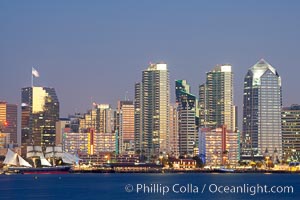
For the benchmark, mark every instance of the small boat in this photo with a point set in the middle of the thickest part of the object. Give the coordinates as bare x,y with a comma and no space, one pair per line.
225,170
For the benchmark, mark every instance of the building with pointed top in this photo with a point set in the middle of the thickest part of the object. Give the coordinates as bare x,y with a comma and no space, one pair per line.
262,112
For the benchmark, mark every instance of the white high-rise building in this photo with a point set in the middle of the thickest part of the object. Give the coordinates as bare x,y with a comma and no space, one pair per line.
216,99
153,97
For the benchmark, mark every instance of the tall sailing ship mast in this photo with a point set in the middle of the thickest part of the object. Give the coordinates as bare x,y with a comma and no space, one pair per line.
15,159
35,153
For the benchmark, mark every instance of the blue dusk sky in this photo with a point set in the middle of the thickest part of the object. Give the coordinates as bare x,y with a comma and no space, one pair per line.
97,50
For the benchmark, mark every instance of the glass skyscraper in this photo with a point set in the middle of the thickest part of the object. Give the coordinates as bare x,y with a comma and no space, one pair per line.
40,112
188,115
262,111
216,99
152,106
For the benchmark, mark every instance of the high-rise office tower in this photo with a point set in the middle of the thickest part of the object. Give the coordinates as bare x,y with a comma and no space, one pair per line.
153,98
40,112
262,111
291,133
216,99
9,120
188,115
125,126
138,121
174,138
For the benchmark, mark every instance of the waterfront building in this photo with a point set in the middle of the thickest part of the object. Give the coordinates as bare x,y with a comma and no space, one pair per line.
40,112
105,142
291,133
9,120
152,106
183,163
262,112
174,138
75,143
221,146
202,144
4,140
97,122
89,143
125,126
67,125
188,118
216,99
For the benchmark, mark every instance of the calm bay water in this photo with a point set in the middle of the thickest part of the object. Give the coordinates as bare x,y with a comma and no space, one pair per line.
149,186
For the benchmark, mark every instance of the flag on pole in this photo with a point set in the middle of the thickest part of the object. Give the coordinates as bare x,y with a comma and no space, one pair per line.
35,73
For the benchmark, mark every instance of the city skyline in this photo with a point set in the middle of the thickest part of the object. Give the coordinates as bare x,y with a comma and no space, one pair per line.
101,39
149,99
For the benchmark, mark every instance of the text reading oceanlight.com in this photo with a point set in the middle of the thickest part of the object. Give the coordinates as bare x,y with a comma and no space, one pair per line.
211,188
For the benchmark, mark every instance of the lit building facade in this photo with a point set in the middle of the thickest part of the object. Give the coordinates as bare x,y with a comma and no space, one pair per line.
216,99
154,103
105,142
291,133
75,143
4,140
138,120
62,126
125,126
174,129
99,123
80,143
188,118
40,112
222,146
9,121
262,112
100,118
